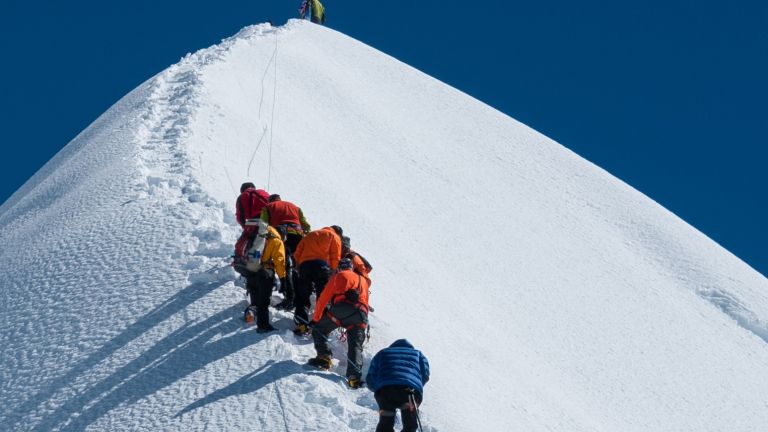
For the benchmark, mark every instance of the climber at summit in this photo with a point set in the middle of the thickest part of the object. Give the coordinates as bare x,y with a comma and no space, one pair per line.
316,11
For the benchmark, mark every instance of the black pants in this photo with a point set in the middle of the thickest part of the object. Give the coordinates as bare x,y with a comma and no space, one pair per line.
260,285
291,274
291,241
288,283
351,317
313,275
392,398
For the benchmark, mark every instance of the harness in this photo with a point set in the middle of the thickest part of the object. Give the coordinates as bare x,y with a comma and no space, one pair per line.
358,306
292,227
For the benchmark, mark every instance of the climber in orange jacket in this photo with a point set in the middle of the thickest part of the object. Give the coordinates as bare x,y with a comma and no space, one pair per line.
323,245
360,265
317,257
343,303
337,287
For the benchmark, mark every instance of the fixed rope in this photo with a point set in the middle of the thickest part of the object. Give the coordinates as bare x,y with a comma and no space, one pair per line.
412,398
272,61
272,121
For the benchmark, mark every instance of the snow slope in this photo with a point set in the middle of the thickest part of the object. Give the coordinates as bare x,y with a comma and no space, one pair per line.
547,294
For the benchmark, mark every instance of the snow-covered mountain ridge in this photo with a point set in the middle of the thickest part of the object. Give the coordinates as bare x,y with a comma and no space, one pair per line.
547,294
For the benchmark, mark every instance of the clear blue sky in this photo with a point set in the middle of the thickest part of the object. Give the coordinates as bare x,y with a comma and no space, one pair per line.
669,96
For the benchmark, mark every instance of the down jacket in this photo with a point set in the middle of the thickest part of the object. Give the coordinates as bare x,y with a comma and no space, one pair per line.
323,245
249,205
337,286
401,365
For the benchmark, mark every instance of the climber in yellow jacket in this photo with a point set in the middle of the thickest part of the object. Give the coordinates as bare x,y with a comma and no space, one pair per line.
263,257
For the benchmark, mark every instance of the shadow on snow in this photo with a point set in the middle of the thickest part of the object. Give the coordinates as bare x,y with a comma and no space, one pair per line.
173,305
271,372
180,353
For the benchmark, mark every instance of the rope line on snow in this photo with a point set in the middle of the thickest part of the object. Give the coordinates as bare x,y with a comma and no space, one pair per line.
269,405
264,76
272,61
226,172
272,121
253,155
282,407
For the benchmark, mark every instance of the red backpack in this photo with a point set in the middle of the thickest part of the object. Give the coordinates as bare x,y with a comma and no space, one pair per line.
249,205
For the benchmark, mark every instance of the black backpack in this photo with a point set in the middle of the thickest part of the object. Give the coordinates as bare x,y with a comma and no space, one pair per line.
353,295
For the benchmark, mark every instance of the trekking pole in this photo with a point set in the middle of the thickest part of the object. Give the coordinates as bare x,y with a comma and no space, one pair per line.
412,397
223,263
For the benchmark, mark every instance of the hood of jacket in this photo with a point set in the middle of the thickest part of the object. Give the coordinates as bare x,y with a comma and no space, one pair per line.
401,343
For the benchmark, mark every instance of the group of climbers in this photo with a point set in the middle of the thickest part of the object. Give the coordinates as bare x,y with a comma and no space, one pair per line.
278,246
289,220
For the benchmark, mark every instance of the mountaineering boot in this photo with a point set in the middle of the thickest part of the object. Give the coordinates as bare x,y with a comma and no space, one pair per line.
321,362
301,330
354,382
265,329
249,316
284,305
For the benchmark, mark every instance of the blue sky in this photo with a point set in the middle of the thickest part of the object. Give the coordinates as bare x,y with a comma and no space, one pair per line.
669,96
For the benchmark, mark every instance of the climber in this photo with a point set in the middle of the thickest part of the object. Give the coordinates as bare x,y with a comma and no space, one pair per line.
249,203
317,256
343,303
289,220
397,376
316,9
360,265
258,261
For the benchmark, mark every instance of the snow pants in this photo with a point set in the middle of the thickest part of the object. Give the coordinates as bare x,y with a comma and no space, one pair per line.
291,241
313,275
355,321
289,289
392,398
260,285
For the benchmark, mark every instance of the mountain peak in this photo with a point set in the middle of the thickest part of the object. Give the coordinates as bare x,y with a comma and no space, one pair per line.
547,294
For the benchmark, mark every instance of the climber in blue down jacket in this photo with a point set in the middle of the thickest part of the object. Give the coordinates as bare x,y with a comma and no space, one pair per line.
396,376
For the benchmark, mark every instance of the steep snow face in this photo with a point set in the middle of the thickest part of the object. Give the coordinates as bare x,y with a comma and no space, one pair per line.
546,294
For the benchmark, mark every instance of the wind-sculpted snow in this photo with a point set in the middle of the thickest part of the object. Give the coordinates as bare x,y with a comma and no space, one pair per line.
547,294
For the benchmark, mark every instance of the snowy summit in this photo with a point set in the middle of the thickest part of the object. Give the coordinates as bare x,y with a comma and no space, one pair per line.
547,294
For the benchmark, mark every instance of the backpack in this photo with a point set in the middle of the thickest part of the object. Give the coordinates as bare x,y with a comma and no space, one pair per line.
352,295
366,263
250,247
318,12
250,204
